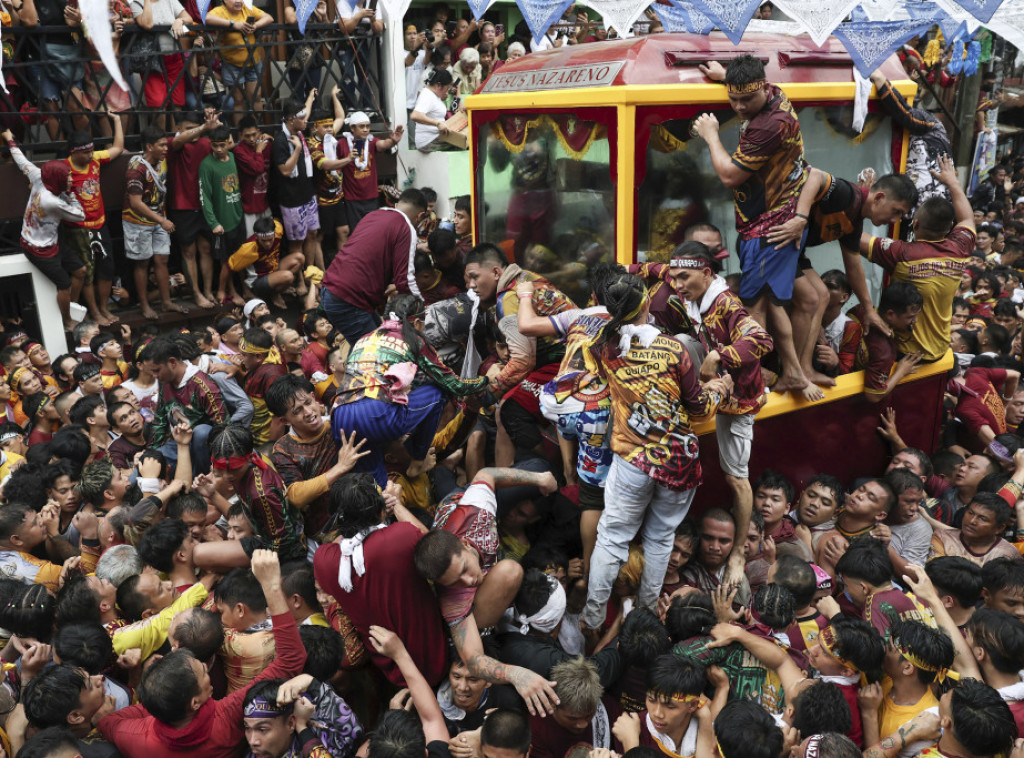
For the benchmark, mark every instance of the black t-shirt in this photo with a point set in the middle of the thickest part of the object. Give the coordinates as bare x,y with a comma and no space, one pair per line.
293,191
837,215
438,749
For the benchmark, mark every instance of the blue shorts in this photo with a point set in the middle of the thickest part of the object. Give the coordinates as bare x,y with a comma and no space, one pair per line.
767,267
236,76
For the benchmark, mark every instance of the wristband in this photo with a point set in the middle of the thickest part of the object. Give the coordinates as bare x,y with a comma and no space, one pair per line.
800,215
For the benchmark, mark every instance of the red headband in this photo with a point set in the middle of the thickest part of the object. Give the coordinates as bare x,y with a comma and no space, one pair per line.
237,461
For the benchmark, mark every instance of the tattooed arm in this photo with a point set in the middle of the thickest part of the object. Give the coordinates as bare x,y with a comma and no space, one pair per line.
923,727
538,693
513,477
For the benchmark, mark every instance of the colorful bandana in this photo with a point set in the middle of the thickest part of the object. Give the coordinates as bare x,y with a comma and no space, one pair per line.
941,673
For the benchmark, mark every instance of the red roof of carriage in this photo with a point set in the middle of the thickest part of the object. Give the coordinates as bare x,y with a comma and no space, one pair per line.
673,58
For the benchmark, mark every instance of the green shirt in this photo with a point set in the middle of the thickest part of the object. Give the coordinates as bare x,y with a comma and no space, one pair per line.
220,195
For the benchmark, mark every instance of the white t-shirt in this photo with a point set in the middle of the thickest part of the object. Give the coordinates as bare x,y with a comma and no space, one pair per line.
433,107
413,74
546,43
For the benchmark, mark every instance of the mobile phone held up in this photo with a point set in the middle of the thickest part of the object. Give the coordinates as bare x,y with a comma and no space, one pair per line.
177,416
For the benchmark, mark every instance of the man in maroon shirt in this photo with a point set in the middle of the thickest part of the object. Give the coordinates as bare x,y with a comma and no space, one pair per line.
359,178
379,253
178,714
188,148
252,155
369,570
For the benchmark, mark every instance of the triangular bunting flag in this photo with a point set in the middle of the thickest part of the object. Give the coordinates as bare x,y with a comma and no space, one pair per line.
955,15
879,10
696,22
303,10
204,8
620,14
672,17
871,43
96,20
950,25
818,17
540,15
730,16
982,10
479,7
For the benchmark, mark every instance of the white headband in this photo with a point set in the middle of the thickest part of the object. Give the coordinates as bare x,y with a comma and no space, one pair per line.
688,263
358,118
547,618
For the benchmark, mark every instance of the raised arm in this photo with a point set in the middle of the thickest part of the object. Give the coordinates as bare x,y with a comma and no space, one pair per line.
770,653
961,205
387,643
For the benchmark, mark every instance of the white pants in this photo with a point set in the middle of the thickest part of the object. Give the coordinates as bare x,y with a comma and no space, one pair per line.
632,499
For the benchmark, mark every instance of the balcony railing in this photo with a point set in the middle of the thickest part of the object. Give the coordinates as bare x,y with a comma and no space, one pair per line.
291,64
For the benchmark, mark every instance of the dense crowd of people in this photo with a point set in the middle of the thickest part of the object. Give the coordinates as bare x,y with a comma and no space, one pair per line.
446,510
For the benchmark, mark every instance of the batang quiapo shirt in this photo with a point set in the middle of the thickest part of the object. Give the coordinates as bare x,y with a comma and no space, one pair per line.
934,267
654,392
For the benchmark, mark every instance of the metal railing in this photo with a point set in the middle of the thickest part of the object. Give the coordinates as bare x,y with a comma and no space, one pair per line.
291,64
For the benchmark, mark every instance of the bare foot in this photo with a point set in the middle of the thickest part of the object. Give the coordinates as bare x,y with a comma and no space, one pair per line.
172,307
203,302
301,290
819,378
100,319
812,393
790,383
237,299
209,296
110,317
278,302
149,313
221,298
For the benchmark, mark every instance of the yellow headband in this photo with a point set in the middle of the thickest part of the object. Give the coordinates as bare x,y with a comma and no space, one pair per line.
745,89
827,640
324,122
636,311
16,376
249,349
941,673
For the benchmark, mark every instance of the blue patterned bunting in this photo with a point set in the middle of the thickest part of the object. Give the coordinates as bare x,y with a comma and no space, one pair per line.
730,16
870,43
541,14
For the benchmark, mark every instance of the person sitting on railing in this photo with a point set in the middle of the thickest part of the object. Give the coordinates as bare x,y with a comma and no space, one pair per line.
163,86
242,61
50,202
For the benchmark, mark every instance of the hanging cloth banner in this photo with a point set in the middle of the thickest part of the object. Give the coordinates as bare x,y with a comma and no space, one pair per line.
818,17
728,15
96,20
620,14
394,10
1010,22
541,15
695,21
870,43
575,135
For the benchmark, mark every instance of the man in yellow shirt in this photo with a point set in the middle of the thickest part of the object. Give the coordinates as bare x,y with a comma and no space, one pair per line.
916,655
241,66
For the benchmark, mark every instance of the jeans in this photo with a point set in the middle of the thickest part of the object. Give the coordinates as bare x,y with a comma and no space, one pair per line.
351,321
354,85
199,448
381,423
631,500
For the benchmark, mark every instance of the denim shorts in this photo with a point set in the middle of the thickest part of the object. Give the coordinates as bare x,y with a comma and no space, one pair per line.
142,242
236,76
